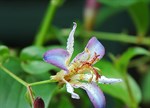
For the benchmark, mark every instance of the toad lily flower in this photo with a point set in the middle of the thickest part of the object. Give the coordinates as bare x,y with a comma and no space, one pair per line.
80,72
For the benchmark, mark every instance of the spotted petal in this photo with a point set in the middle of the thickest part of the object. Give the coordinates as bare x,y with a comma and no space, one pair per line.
95,94
94,46
70,41
92,49
57,57
105,80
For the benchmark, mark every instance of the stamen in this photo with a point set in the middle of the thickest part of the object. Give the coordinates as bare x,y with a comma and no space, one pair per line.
79,69
96,73
90,80
87,50
95,58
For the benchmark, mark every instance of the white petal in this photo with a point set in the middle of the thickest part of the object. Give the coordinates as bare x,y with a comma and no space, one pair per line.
71,91
105,80
70,41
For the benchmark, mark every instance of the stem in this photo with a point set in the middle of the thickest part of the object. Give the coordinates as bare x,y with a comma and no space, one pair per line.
120,38
28,86
41,82
112,37
46,23
30,94
13,75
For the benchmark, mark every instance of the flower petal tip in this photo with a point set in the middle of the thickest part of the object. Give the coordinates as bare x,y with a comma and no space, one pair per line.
74,25
70,90
75,96
105,80
95,94
96,47
70,40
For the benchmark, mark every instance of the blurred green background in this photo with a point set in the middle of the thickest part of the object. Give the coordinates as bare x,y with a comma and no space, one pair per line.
20,21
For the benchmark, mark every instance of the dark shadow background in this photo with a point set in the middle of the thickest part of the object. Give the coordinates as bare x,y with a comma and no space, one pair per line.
20,20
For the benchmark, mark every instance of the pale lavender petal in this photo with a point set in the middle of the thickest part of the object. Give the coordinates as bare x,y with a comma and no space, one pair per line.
70,41
93,48
95,94
57,57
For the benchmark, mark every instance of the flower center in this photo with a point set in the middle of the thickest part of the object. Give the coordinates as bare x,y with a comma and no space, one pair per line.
82,67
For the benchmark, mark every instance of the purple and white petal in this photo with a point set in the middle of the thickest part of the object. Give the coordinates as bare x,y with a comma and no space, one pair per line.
105,80
95,94
94,46
70,90
57,57
70,41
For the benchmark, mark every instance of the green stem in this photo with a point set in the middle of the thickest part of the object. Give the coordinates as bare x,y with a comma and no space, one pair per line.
118,37
41,82
22,81
30,94
46,23
13,75
28,86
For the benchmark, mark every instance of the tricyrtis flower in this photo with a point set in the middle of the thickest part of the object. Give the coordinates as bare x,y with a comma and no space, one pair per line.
80,72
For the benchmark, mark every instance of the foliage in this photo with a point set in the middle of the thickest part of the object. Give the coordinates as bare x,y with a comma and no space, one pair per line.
24,76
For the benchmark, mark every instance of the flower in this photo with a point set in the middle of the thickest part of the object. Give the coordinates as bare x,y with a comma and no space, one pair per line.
80,72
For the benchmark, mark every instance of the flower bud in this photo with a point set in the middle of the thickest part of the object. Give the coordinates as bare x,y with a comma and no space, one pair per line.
39,103
90,12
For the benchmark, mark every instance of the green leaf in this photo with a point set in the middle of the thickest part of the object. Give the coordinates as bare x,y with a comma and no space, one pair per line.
35,52
120,68
32,53
36,67
4,50
32,60
12,94
61,99
65,102
146,87
123,61
140,17
118,3
4,53
119,90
